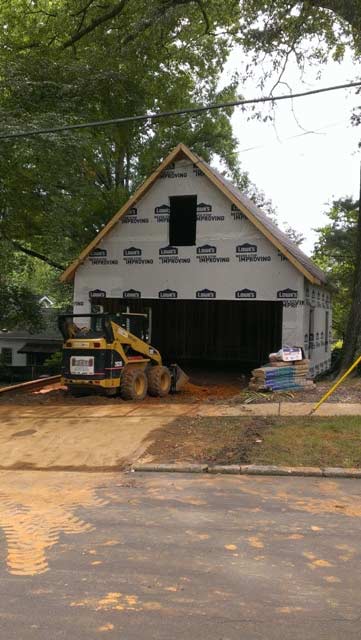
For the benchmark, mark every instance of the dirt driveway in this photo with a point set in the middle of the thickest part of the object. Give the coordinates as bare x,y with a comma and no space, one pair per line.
77,437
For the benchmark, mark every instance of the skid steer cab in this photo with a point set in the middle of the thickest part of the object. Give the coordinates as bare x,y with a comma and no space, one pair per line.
101,354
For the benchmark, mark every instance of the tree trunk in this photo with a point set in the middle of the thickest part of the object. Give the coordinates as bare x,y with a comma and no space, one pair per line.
353,329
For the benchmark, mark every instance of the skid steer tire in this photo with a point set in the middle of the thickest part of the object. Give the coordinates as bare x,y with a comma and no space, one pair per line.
134,384
159,381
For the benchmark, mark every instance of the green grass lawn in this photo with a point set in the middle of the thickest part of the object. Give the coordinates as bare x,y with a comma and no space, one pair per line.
304,441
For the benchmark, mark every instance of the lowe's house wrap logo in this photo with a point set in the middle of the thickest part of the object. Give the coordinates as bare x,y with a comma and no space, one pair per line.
208,253
131,217
97,293
168,294
245,294
131,293
171,172
162,213
99,256
287,294
133,255
247,252
204,213
197,171
237,213
169,255
205,294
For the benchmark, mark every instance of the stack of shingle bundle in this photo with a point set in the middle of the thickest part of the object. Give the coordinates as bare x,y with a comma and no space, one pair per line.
278,375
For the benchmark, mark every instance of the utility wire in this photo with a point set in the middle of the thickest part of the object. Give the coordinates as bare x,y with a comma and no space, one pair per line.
167,114
298,135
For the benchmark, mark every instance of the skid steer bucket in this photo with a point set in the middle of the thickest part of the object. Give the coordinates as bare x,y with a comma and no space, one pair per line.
179,378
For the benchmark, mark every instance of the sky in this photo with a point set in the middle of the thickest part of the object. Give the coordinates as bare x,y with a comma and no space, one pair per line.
301,174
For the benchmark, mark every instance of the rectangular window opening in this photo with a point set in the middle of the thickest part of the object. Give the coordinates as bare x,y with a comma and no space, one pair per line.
182,221
7,355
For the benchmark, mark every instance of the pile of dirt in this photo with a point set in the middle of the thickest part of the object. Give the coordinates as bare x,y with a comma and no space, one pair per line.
210,440
203,386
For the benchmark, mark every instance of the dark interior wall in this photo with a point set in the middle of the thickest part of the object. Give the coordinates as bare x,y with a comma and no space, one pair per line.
211,331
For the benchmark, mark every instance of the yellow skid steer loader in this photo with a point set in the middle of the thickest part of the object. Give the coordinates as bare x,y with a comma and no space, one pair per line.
106,357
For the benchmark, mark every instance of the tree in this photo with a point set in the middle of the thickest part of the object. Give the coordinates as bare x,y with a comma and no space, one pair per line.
335,252
307,30
78,60
297,237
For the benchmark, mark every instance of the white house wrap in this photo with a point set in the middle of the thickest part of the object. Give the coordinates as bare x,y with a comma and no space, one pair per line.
238,256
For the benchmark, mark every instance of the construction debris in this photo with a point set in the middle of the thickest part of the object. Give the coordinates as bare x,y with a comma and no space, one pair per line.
279,375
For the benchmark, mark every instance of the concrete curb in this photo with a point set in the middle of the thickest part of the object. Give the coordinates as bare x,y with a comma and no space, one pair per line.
251,469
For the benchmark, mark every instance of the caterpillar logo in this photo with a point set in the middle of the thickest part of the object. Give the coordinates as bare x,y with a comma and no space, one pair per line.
168,251
205,294
246,248
131,293
206,249
98,253
245,294
132,252
168,294
202,207
287,293
97,293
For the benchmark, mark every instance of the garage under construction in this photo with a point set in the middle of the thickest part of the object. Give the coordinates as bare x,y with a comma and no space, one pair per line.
221,282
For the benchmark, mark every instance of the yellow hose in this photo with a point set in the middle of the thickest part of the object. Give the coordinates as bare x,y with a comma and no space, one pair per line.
337,384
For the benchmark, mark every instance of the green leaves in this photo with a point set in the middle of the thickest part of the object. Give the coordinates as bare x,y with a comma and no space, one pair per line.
69,61
335,253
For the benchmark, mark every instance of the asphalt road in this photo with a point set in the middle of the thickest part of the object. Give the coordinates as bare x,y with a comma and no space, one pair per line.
130,556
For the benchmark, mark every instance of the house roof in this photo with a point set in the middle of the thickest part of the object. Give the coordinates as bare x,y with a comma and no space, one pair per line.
255,215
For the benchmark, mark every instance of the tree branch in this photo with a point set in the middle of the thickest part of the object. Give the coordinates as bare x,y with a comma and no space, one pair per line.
205,16
348,10
96,22
36,254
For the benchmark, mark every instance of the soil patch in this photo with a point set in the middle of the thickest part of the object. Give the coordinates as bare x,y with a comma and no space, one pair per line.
223,440
296,441
203,386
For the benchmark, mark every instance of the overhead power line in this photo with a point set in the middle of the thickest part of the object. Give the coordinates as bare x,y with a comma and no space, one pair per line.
178,112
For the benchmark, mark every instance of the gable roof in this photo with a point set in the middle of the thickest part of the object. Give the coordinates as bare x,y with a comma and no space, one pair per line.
260,220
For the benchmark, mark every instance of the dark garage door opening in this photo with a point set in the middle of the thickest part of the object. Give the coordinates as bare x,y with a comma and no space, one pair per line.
216,331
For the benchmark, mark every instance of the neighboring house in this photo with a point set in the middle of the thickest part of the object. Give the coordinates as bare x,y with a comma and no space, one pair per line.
222,281
20,348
